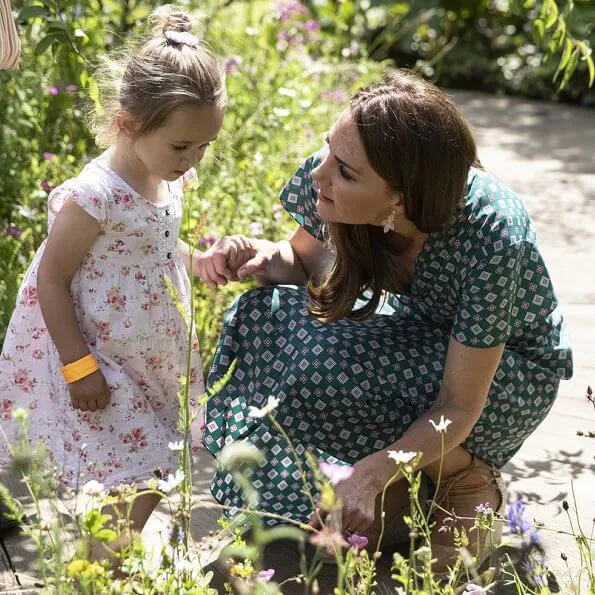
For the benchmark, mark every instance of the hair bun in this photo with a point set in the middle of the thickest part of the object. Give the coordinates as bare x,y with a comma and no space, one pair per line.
170,18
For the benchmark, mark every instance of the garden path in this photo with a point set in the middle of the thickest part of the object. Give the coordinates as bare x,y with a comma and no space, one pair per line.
545,152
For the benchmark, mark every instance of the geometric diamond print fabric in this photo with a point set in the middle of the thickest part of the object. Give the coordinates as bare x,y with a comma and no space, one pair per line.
348,388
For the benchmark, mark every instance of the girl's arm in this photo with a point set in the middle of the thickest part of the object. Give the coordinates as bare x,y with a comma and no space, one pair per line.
71,237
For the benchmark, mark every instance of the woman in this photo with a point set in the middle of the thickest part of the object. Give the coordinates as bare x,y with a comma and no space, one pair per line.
459,320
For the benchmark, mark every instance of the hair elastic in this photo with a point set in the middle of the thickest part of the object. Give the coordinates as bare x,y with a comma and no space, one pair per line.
181,38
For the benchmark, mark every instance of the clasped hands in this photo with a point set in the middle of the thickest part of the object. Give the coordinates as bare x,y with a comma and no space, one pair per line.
233,258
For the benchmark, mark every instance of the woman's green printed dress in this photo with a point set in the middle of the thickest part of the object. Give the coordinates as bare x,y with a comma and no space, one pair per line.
348,388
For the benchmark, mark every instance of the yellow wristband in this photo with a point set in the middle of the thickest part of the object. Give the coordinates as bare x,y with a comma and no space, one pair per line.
80,368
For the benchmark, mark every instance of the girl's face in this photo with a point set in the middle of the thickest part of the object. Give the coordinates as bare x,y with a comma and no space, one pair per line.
180,142
349,190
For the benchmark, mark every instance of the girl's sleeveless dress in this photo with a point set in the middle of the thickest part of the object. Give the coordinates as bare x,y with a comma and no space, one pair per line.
131,325
348,389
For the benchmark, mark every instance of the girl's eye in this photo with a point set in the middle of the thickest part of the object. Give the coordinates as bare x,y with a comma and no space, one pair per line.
344,173
326,138
178,147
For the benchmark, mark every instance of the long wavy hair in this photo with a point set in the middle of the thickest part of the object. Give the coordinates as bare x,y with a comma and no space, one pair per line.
416,139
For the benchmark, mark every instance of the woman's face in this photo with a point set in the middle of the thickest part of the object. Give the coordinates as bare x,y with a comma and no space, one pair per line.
349,190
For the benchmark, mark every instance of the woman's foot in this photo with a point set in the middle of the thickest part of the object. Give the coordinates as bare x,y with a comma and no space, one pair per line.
456,506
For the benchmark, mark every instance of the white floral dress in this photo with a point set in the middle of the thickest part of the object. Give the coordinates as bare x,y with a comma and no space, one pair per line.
130,324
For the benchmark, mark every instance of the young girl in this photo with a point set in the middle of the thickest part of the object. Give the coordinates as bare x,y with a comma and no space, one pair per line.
95,347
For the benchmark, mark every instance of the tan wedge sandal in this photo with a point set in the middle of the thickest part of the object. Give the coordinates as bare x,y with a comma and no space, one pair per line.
456,506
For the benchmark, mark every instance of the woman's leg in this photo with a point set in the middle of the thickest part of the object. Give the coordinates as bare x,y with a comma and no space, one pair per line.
463,483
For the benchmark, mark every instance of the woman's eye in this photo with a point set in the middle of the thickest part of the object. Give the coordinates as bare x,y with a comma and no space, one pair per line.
344,173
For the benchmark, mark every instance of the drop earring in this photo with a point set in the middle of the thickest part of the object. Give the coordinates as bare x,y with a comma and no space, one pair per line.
389,223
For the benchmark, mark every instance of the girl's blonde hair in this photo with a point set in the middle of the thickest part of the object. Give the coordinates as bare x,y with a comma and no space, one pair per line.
159,76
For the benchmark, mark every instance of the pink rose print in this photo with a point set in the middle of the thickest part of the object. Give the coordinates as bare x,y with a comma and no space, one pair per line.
22,379
38,332
104,330
136,439
125,271
119,227
37,354
116,300
6,409
148,249
139,404
155,362
128,322
29,296
127,202
67,446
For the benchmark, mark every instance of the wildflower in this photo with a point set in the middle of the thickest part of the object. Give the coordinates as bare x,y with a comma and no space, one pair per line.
255,228
484,516
48,156
176,446
357,542
352,50
271,405
311,25
46,187
13,231
94,489
336,473
328,539
232,64
208,240
72,88
53,91
475,589
441,425
517,524
401,457
285,11
183,565
172,482
264,576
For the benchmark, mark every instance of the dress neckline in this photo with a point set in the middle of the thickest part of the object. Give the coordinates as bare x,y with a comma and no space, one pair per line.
101,162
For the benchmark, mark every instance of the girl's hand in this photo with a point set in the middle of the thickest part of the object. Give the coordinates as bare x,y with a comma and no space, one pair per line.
90,393
234,258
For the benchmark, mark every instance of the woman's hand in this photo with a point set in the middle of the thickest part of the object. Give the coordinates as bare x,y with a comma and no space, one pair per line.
358,494
234,258
90,393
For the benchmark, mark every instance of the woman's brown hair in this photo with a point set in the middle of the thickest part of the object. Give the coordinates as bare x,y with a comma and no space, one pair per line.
416,139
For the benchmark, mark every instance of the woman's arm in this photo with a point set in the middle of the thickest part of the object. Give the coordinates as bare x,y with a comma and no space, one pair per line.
297,259
468,375
71,237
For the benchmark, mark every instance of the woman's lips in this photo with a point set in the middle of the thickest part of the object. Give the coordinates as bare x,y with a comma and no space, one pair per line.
324,198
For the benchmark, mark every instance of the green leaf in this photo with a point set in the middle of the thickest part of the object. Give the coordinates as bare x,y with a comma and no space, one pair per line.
591,67
550,12
243,552
30,12
570,68
539,28
105,535
564,59
276,533
45,44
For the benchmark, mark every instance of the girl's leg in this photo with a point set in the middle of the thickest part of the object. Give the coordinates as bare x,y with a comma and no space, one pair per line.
141,510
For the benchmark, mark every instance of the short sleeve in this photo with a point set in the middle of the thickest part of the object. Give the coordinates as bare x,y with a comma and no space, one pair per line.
503,292
298,197
91,199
